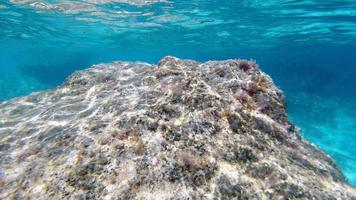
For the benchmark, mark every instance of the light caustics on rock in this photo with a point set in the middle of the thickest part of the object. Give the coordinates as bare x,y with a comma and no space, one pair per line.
174,130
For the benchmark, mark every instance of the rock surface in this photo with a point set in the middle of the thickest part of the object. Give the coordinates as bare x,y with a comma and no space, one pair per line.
175,130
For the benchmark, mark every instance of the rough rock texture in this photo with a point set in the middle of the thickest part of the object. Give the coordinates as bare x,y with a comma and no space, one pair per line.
175,130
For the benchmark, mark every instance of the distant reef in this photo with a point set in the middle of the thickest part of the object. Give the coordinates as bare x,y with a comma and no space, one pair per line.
175,130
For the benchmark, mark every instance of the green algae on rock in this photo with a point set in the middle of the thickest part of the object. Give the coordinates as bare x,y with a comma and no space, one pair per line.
176,130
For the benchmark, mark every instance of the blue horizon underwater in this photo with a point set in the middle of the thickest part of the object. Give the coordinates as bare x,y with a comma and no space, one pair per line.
307,47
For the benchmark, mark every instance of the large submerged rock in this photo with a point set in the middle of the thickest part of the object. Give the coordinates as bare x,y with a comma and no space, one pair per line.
175,130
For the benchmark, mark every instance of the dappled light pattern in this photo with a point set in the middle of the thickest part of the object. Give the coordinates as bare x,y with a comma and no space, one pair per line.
128,130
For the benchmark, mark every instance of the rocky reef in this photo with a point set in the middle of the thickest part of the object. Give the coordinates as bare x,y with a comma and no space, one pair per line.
176,130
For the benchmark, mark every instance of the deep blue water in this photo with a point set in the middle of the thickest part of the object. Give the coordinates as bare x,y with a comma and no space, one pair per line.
307,46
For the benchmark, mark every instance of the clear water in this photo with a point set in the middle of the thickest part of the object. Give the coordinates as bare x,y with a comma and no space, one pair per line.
307,46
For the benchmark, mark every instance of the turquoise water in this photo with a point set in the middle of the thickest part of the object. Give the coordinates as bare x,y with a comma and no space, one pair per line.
307,46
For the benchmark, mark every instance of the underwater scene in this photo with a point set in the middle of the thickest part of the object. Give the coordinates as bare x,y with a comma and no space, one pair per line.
308,48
